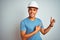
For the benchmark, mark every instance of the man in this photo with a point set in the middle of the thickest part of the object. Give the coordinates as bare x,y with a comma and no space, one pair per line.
31,26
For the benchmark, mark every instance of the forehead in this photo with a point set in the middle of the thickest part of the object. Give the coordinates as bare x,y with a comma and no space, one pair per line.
32,8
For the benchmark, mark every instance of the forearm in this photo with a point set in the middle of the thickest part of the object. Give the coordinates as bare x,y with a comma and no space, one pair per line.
30,34
47,29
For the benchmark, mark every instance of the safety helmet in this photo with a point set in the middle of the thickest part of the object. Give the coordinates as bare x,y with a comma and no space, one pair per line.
33,4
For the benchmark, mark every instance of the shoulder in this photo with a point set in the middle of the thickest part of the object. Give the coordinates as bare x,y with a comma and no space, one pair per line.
38,19
24,20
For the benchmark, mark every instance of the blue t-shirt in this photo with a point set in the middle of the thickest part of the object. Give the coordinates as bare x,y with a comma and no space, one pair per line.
29,26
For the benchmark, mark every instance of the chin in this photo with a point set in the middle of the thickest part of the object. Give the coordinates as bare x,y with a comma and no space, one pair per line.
32,16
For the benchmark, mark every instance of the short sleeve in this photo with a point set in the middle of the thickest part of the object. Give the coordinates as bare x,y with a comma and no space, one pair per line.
41,24
22,26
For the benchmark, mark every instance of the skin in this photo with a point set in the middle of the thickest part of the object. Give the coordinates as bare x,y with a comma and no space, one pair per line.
32,13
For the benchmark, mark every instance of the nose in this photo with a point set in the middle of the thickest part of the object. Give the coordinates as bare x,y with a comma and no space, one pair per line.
31,11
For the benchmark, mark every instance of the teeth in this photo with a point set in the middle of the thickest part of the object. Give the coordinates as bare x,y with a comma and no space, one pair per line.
32,14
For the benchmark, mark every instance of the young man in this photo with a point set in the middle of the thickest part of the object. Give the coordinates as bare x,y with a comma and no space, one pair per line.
31,26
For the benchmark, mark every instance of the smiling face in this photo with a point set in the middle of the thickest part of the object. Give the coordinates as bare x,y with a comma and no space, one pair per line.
32,11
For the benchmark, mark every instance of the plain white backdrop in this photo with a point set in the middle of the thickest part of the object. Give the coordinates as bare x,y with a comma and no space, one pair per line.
13,11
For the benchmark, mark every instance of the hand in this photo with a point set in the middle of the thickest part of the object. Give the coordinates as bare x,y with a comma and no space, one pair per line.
37,28
52,21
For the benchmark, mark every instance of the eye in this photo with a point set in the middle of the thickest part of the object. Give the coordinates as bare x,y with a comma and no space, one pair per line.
34,9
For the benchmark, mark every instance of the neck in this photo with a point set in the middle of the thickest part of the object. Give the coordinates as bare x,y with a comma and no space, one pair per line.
32,18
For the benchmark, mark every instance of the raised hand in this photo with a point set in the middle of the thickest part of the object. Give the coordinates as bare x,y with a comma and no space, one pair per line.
52,21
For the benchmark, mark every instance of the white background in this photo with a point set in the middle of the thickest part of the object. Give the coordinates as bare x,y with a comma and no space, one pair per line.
13,11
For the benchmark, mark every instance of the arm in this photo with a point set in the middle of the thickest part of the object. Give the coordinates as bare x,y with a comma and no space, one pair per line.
26,36
44,31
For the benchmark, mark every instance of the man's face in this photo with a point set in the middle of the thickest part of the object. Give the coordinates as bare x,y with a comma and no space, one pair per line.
32,11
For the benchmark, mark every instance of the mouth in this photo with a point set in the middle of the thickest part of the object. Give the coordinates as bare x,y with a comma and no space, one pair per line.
32,15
